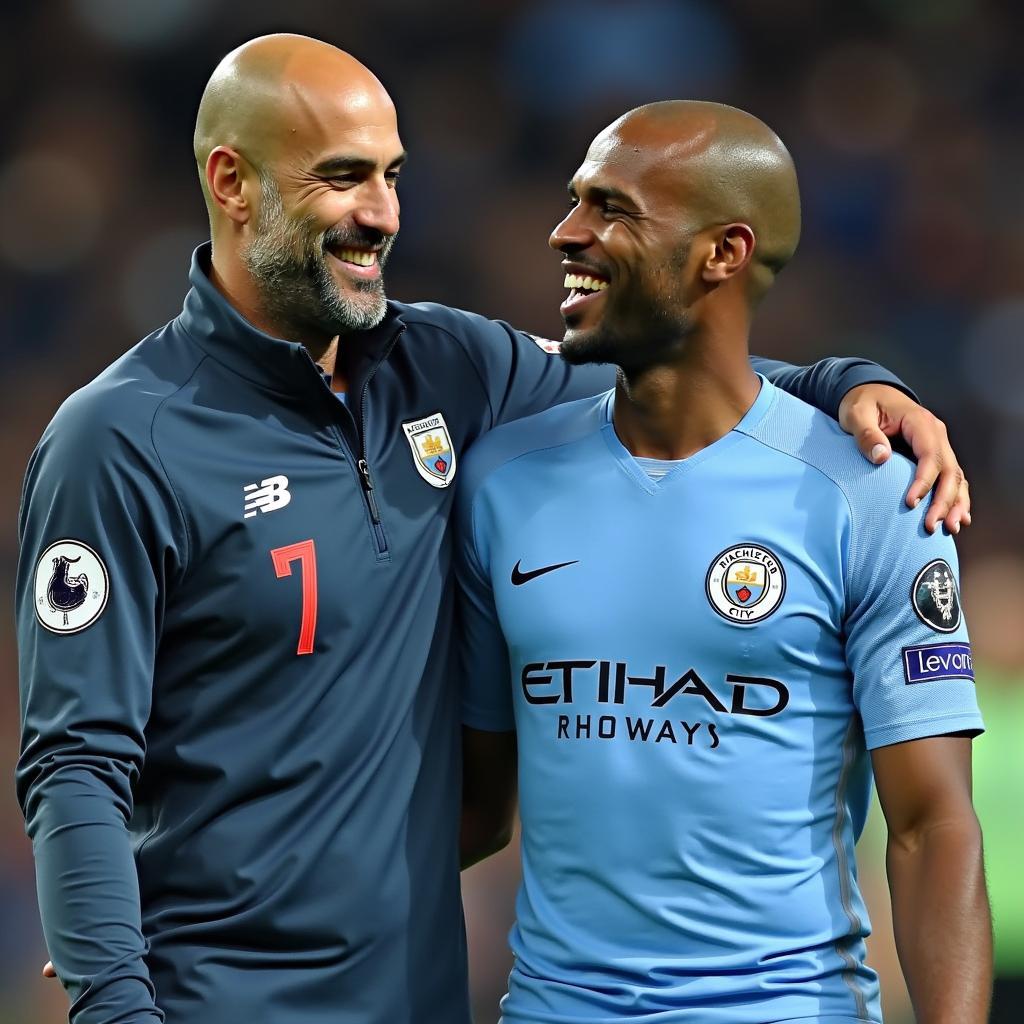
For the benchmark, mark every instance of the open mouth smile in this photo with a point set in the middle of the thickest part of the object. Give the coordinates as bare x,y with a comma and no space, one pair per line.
584,289
357,262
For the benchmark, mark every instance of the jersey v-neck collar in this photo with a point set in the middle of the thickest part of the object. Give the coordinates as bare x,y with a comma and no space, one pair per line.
681,468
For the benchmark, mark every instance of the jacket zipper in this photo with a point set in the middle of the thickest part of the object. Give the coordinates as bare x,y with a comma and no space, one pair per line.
371,501
363,465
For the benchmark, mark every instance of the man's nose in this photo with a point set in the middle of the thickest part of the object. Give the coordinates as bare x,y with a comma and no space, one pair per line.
378,208
571,234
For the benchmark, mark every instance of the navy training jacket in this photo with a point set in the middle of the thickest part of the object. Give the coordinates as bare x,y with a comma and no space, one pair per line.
239,764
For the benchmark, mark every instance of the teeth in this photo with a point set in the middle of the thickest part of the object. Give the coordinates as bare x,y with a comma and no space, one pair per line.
588,284
363,259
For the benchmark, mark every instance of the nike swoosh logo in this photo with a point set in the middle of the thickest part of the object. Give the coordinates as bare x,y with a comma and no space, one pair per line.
519,578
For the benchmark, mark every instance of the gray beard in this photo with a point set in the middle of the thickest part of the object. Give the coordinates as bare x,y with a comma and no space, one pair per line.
288,261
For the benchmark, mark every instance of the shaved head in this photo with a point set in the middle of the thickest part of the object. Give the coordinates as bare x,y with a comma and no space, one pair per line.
279,92
731,167
298,154
683,212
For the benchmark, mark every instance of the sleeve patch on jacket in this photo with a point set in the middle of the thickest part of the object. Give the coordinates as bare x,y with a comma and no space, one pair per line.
72,586
549,346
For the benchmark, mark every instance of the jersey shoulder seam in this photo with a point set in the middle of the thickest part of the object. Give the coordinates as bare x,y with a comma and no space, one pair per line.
500,466
839,487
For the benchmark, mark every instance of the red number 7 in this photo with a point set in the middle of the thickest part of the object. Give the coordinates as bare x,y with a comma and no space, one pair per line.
305,553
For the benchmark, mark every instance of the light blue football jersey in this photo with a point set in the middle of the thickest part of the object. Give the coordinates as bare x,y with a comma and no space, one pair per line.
696,669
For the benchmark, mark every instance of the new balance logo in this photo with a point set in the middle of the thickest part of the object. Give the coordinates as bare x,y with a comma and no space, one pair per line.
267,496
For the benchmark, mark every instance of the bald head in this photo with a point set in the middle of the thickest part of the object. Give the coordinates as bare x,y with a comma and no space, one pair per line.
730,166
281,94
299,156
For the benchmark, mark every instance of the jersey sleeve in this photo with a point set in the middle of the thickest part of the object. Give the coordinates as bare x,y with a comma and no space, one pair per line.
486,692
907,642
824,384
98,540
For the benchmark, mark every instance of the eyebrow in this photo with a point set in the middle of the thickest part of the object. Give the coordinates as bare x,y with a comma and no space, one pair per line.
602,192
347,164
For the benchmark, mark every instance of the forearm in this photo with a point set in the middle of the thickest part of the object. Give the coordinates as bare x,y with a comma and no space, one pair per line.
89,900
942,922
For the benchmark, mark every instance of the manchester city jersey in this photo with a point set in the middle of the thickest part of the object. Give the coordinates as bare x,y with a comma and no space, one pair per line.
696,669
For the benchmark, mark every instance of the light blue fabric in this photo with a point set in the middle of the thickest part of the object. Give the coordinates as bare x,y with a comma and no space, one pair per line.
691,786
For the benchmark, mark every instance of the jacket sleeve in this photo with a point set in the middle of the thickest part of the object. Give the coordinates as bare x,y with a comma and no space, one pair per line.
824,383
99,537
522,373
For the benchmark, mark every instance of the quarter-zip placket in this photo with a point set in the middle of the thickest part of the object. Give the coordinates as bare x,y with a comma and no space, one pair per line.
359,462
378,531
363,465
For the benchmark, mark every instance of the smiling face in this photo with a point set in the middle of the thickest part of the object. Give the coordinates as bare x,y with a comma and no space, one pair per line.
683,213
299,153
627,242
324,233
328,218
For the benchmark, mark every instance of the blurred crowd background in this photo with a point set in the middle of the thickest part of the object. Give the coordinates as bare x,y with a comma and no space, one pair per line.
904,117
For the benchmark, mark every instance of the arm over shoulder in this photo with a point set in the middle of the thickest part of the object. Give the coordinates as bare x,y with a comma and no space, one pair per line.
520,373
824,384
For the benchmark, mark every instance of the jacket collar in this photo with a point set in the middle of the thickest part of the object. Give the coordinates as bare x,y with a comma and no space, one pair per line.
225,335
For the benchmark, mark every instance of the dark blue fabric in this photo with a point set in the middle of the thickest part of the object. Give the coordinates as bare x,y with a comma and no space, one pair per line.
225,829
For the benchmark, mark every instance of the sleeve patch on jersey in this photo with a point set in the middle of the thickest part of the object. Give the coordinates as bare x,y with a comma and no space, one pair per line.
935,597
71,587
931,662
549,346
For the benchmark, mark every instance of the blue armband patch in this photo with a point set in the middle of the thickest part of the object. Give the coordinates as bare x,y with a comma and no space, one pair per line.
932,662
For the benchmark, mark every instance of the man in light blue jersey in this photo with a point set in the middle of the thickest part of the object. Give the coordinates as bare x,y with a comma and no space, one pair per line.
701,620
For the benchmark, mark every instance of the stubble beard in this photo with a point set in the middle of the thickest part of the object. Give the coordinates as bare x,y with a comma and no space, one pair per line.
652,329
288,260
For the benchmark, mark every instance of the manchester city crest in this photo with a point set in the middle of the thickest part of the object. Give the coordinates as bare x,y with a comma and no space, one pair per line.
432,451
935,598
745,583
71,587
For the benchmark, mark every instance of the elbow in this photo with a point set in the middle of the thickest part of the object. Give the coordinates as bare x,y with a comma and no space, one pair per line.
500,838
479,840
961,830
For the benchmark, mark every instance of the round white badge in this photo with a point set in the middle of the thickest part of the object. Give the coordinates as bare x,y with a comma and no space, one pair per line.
745,583
72,586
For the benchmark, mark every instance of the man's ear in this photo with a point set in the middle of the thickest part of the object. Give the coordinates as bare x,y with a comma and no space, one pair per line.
228,181
731,252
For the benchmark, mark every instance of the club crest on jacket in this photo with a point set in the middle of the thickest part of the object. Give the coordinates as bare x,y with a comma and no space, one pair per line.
432,449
